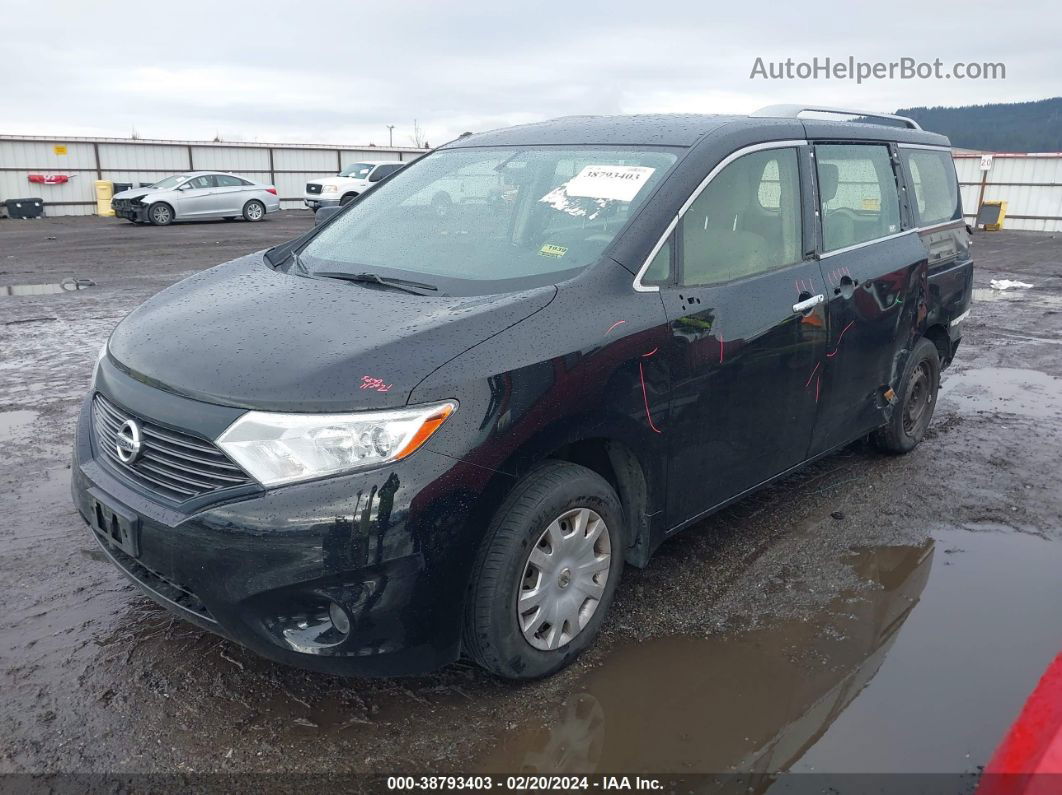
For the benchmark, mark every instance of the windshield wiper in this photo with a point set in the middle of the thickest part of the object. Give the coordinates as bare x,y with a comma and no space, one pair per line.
417,288
297,262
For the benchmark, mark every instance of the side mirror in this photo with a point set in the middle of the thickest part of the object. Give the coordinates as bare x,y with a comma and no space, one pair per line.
324,213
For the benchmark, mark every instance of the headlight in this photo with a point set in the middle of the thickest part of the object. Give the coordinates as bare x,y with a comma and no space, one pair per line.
284,448
329,189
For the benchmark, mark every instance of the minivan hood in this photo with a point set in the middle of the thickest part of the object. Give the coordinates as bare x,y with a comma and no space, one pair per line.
243,334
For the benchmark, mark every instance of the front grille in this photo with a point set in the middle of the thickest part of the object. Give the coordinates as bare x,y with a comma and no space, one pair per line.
313,187
175,465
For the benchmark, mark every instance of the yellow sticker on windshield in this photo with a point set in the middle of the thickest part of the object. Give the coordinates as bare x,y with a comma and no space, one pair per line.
550,250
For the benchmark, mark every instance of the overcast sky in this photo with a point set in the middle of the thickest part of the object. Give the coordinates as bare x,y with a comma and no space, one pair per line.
340,72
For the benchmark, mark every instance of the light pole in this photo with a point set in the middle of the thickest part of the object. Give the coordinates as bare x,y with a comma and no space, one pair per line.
390,135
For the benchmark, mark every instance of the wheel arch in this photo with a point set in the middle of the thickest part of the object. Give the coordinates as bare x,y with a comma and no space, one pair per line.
173,209
938,335
611,457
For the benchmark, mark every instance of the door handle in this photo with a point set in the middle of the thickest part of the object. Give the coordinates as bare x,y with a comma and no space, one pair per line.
801,307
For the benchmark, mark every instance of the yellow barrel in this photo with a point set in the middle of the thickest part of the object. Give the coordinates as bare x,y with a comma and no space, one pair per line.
104,193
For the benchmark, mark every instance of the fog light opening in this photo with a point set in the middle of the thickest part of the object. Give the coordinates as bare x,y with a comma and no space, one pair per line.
339,617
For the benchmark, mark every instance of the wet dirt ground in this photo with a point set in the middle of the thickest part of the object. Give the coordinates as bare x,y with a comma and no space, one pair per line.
870,613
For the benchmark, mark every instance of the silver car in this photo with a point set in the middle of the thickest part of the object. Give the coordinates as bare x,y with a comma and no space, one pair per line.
197,195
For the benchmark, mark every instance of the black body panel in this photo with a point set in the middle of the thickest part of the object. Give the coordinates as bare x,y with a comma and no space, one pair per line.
683,398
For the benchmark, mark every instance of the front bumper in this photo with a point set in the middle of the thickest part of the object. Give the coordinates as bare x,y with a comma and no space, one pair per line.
130,211
392,548
318,200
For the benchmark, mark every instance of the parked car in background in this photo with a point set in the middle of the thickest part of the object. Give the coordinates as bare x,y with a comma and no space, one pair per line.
405,437
352,181
196,196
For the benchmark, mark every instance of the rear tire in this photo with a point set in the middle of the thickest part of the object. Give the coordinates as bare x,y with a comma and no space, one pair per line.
917,398
254,211
546,573
160,214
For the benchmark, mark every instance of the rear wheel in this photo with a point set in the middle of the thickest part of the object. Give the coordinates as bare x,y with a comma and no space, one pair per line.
546,574
160,214
254,210
917,398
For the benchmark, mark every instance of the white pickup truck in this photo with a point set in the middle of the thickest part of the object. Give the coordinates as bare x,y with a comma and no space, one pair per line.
351,181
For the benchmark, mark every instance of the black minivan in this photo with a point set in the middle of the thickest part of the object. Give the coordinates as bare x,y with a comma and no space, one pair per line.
441,422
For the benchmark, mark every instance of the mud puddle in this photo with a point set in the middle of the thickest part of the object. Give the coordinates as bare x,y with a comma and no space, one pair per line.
1030,393
922,669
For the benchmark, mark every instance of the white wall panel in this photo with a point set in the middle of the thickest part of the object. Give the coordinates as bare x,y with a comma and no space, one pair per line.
144,157
231,158
317,162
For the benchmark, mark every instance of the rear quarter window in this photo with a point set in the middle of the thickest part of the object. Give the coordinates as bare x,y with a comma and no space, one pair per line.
932,177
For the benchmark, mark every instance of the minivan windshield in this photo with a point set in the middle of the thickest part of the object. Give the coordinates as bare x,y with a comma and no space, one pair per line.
170,182
483,220
358,170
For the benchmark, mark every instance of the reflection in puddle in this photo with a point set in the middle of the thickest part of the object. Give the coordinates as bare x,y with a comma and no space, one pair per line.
753,703
15,423
65,286
1030,393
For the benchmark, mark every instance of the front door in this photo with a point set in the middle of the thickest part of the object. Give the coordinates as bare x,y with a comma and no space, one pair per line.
197,197
747,333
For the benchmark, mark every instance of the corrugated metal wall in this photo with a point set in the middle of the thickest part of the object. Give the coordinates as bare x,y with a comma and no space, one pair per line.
1030,184
288,166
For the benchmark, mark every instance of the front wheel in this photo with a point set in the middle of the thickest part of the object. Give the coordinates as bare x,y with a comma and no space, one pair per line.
917,400
160,214
546,574
254,210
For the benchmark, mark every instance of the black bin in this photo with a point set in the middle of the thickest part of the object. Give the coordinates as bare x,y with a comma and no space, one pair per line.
120,186
24,208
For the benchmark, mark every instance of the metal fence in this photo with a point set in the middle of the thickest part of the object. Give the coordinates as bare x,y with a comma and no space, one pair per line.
1030,184
85,160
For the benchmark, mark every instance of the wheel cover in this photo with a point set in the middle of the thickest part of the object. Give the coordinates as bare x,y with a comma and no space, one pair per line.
254,211
564,579
161,214
919,399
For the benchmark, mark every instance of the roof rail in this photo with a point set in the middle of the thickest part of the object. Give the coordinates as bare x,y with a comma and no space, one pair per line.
794,111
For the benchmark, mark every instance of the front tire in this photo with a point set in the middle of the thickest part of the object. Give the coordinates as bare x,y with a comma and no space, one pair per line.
913,410
160,214
254,211
546,574
347,198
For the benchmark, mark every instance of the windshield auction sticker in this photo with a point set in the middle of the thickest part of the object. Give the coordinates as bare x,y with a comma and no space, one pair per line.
616,183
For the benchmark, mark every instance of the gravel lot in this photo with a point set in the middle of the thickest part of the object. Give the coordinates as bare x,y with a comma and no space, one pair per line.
785,633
